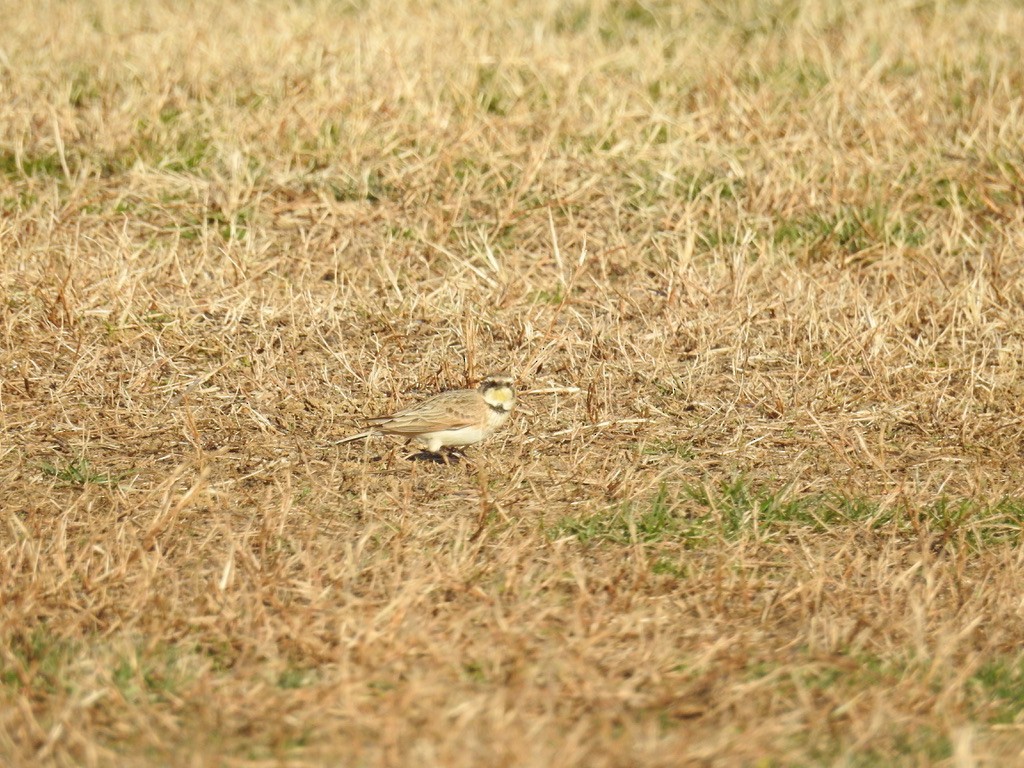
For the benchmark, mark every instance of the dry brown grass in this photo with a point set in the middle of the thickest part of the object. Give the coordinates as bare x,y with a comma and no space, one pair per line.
758,266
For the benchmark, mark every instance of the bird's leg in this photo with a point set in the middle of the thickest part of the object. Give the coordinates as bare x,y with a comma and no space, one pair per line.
459,454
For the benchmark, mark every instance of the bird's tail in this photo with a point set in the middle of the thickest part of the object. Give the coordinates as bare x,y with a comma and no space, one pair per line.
353,438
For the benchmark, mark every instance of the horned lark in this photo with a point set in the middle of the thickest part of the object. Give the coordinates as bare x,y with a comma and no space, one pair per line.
454,418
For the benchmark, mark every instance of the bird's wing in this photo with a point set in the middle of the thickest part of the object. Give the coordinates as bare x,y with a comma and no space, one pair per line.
440,412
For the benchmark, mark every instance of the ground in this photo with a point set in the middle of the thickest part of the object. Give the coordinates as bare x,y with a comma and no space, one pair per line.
757,267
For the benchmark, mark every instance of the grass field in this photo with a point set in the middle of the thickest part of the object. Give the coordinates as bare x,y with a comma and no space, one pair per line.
757,265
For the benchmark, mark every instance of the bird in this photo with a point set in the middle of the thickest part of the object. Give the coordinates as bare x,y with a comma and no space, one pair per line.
455,418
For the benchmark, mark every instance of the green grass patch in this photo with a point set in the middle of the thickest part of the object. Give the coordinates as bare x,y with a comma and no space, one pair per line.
37,660
901,746
156,674
295,677
15,165
172,143
850,230
547,295
834,684
653,521
697,515
1001,683
78,472
670,448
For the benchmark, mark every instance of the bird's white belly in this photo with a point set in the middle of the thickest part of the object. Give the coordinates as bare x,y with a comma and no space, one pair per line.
435,440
